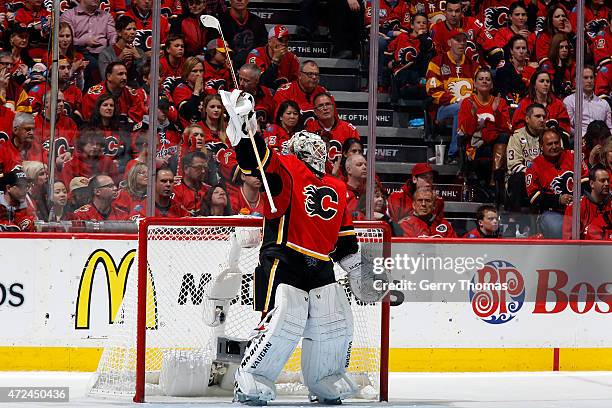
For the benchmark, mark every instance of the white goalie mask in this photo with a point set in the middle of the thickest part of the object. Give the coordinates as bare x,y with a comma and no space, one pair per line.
310,148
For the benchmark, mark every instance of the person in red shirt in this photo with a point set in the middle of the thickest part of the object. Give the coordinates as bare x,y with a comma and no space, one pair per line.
186,95
248,199
170,65
442,31
329,126
484,123
131,199
249,79
560,65
187,24
288,122
302,90
217,73
216,202
356,175
487,220
15,214
550,183
165,203
190,190
540,92
516,25
101,208
22,145
399,203
556,22
89,159
141,12
422,223
601,46
593,204
278,65
600,228
12,94
596,15
65,129
128,102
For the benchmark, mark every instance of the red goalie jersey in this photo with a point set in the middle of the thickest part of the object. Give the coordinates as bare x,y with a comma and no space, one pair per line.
312,216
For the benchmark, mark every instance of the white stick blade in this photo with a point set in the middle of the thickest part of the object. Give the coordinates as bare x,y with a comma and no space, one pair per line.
209,21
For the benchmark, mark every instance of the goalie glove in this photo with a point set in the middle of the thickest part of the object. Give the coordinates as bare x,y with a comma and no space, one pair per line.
242,119
361,278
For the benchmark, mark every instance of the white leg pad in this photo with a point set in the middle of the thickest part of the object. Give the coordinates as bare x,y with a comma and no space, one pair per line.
278,335
326,348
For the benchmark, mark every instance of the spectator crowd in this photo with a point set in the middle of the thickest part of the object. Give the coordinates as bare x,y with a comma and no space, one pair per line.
500,73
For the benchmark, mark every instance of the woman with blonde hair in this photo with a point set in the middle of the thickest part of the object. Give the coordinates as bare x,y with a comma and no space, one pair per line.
187,94
37,175
132,197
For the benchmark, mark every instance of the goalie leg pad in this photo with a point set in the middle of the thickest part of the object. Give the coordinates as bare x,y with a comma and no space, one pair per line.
326,347
278,335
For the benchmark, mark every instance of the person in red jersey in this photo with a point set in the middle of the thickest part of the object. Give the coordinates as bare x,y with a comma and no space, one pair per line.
22,145
170,65
213,120
540,91
124,50
302,90
15,215
131,198
516,25
89,159
68,51
512,80
65,129
165,203
12,94
217,73
188,25
247,199
484,124
560,65
556,22
249,79
309,230
101,208
601,46
106,119
6,123
450,79
442,31
399,203
190,190
278,65
550,183
600,228
356,175
422,222
186,95
329,126
141,12
288,122
408,55
593,204
596,16
128,102
36,18
487,220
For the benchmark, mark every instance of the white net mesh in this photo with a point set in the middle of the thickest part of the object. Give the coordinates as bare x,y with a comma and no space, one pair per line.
182,261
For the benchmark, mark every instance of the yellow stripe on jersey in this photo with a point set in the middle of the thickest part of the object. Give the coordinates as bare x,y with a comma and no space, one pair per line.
308,252
535,197
270,283
281,226
346,233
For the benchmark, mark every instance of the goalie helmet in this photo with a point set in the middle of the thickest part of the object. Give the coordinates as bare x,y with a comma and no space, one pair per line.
310,148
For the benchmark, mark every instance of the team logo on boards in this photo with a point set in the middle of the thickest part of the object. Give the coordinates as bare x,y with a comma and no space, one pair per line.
497,292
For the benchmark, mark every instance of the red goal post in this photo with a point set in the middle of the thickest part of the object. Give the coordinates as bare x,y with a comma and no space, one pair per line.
189,229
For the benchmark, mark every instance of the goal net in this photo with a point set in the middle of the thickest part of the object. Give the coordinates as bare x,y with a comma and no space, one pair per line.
161,315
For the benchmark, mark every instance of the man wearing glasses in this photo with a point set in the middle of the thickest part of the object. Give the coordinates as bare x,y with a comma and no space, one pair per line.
302,90
190,191
21,146
101,208
329,126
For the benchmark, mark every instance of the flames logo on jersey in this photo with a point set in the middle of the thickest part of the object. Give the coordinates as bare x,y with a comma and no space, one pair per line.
170,83
407,55
496,17
216,84
595,26
321,202
64,5
563,183
143,39
61,145
335,150
4,137
460,88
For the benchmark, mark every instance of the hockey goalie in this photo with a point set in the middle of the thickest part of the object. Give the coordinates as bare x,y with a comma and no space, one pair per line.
295,287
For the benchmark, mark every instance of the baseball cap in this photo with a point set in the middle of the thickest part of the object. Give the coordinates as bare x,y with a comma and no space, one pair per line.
217,44
421,168
278,31
15,177
457,32
78,182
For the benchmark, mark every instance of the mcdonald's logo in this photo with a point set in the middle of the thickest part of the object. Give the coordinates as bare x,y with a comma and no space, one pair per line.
116,282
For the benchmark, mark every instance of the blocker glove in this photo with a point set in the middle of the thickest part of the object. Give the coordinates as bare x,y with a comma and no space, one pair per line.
242,120
361,277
